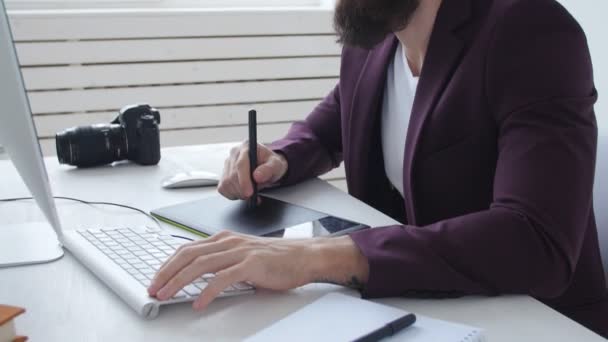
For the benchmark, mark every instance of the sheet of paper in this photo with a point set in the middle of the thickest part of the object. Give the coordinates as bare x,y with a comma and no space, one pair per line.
339,317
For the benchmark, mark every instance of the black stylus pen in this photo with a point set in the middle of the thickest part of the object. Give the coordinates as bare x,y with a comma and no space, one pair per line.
253,155
389,330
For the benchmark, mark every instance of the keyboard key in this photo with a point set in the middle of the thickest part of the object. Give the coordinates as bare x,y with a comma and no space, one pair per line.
181,294
133,271
148,247
150,275
135,249
230,289
139,265
242,286
202,285
147,270
152,262
192,290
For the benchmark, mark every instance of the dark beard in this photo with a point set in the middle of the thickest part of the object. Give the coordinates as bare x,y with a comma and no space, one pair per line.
365,23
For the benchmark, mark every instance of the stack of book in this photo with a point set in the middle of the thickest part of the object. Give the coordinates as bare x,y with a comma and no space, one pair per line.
7,324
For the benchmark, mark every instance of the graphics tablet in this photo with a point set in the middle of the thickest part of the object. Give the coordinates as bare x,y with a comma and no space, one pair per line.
271,218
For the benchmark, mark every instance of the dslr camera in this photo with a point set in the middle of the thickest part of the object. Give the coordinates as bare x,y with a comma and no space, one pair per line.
133,135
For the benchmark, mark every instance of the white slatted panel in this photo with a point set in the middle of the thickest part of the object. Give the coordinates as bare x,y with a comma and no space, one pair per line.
94,76
166,23
184,118
203,69
174,49
179,95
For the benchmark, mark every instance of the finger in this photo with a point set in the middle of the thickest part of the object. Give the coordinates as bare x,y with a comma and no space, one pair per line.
234,185
202,265
225,236
207,240
227,190
263,153
221,281
226,187
244,177
182,258
264,173
226,169
230,190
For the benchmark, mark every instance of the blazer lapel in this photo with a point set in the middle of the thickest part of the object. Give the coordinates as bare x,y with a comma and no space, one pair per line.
444,52
364,117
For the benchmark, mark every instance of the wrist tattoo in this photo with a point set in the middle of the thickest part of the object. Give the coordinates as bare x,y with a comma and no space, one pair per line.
353,283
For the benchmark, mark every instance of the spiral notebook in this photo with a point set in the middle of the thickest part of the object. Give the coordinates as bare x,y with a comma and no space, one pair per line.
338,317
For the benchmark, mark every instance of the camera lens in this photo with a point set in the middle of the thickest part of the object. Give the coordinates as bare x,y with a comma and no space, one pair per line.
91,145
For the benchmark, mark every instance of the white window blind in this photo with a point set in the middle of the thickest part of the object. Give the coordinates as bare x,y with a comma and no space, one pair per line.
88,4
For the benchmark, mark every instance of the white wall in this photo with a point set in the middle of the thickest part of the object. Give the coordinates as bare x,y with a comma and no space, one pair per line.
591,14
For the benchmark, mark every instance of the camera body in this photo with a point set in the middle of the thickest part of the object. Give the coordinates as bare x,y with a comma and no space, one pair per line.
133,135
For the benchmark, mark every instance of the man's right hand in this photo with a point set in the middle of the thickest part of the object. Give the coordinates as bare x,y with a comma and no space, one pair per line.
236,179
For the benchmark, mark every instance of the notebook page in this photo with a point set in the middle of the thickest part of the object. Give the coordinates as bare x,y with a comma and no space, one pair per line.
339,317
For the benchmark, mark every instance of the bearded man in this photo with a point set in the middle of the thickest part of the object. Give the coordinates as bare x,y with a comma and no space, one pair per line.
469,121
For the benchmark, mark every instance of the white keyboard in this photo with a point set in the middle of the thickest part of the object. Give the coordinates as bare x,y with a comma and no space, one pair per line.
139,253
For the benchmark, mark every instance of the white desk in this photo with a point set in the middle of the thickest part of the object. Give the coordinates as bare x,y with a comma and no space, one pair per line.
65,302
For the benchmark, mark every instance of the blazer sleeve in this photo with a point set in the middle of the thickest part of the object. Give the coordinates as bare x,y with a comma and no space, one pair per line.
313,146
540,89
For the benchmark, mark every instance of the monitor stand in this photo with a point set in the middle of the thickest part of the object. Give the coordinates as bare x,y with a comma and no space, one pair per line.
28,244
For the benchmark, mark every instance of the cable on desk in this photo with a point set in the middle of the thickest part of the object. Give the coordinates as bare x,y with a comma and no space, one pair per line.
99,203
182,237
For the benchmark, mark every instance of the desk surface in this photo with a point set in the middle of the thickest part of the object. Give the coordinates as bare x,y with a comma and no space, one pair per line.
65,301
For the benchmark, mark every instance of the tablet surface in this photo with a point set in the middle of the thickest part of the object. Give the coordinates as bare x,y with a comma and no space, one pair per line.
272,217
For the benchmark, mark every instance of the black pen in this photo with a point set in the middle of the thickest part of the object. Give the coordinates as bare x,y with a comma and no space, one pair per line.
389,330
253,155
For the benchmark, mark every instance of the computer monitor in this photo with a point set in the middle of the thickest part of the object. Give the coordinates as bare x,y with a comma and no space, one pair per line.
30,242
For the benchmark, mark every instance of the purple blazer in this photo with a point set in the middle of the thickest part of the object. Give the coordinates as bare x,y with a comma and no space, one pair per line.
499,159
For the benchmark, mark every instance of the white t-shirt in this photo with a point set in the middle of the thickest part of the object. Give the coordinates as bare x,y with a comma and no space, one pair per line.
396,110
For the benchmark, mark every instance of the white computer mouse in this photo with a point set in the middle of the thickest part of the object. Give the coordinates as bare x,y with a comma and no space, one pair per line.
191,179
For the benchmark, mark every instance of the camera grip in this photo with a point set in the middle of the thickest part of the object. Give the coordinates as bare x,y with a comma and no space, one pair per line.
149,145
